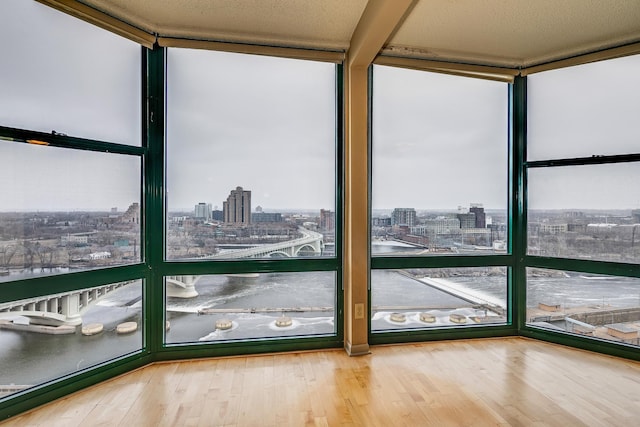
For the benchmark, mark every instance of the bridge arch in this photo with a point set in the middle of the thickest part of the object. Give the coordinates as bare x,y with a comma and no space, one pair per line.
181,286
307,248
279,254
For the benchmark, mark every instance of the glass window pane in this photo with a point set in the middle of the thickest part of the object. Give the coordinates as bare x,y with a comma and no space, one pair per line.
586,110
437,297
440,164
594,305
65,210
587,212
250,306
61,74
47,337
251,158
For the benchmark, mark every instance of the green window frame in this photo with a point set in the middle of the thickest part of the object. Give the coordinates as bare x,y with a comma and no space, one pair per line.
443,328
573,269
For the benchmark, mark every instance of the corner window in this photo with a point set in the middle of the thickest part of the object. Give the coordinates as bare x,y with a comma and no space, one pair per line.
71,191
583,206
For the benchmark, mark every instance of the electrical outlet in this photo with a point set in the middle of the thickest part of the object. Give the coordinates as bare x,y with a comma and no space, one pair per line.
359,311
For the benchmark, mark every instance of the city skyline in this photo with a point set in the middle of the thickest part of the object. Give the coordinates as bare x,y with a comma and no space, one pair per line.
273,129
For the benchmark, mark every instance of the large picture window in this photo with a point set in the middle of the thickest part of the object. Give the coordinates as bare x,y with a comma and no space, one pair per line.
439,164
251,156
251,174
440,150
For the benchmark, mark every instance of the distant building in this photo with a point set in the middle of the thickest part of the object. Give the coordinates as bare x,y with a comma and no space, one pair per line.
203,211
554,228
258,217
217,215
480,219
327,220
440,225
78,239
384,221
237,207
132,215
403,216
635,214
467,220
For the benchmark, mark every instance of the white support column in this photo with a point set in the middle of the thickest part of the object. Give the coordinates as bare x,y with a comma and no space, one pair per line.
70,305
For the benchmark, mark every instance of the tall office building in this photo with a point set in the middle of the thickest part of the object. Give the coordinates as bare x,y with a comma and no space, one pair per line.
403,216
237,207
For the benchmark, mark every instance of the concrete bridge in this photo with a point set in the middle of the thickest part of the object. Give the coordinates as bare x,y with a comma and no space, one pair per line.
311,243
58,309
67,308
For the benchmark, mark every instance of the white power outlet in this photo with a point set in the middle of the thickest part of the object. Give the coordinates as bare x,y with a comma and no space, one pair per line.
359,311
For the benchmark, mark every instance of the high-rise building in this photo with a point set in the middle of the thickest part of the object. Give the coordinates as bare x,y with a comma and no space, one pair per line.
237,207
203,211
327,220
403,216
478,210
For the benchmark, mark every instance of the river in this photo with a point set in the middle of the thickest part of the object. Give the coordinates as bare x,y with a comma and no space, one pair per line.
308,297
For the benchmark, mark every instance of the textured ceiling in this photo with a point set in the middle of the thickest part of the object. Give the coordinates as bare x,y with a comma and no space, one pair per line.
494,32
317,24
515,32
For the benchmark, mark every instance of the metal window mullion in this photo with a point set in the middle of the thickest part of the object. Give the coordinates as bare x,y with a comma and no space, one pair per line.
154,128
580,161
518,230
65,141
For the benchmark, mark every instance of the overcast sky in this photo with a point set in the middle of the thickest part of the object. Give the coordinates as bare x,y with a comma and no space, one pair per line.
268,125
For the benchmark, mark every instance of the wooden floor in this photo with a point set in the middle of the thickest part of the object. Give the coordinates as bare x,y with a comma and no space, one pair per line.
487,382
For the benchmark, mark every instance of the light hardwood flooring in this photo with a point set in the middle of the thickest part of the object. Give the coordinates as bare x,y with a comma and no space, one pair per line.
483,382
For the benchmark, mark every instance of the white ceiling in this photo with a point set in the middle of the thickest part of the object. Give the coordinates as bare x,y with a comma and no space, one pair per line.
509,33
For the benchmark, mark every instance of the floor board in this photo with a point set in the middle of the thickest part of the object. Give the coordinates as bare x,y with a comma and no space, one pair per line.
484,382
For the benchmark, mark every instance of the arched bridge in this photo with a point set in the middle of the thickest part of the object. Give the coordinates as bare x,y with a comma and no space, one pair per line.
58,309
67,308
311,243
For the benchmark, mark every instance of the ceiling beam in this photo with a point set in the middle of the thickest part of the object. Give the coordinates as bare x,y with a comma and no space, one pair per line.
377,23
